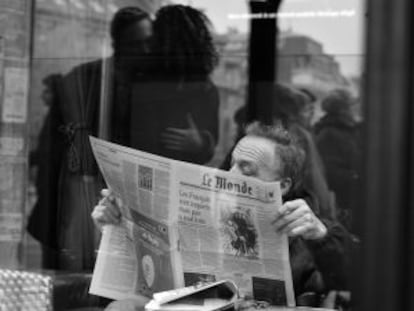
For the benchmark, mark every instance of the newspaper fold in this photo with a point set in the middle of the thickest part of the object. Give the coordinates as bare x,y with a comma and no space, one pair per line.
222,295
183,224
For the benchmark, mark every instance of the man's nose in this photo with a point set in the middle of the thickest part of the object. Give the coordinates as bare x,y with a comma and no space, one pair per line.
235,169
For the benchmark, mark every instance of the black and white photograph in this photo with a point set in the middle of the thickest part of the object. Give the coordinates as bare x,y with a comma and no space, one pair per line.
109,107
239,233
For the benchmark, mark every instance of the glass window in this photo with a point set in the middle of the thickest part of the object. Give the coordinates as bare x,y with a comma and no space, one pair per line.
172,78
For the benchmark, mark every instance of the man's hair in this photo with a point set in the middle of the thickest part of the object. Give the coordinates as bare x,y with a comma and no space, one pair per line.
124,18
292,156
183,42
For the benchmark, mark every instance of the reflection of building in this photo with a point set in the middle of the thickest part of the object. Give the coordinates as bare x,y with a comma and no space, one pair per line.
302,62
355,84
231,79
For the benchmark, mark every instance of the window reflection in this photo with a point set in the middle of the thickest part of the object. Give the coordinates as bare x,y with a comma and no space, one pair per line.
319,56
157,97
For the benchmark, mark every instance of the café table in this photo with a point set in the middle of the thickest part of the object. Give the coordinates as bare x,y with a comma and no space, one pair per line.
134,305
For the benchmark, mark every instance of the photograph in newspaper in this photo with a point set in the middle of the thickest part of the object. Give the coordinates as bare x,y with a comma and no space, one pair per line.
155,271
239,232
190,224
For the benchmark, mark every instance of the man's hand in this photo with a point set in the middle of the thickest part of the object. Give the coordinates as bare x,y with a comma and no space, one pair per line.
295,218
185,140
107,211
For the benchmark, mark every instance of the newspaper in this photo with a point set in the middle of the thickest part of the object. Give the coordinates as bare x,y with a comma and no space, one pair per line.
184,224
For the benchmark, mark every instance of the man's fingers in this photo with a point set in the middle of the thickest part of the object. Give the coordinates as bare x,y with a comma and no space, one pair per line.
102,218
110,205
98,218
173,140
172,143
104,214
283,220
106,192
296,218
107,196
290,206
118,205
290,211
287,228
112,210
108,219
300,230
191,123
175,131
308,227
175,147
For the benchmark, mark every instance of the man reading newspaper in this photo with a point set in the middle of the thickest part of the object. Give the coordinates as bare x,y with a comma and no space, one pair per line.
318,246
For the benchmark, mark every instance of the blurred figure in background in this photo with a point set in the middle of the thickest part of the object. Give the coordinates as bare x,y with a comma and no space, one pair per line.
307,112
338,140
175,107
160,100
289,109
240,120
79,180
69,182
45,160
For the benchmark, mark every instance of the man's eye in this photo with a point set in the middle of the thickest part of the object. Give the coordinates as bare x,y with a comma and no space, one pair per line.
251,173
248,170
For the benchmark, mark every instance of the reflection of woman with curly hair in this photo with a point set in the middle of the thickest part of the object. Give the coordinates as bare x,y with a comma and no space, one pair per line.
176,110
183,44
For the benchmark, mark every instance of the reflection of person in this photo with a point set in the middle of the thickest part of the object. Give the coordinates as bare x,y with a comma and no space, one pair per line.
288,110
175,113
317,245
337,138
67,227
45,158
307,111
182,125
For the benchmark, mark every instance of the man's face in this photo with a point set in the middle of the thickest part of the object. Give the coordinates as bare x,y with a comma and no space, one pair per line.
133,42
256,157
